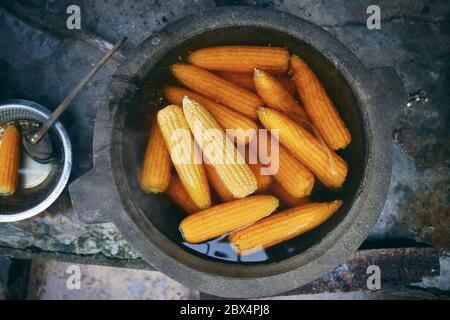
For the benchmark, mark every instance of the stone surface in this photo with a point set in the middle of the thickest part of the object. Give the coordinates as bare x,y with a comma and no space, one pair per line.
414,39
57,280
4,270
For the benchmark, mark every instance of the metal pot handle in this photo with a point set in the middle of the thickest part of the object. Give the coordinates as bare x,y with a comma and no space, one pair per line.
94,195
392,95
92,209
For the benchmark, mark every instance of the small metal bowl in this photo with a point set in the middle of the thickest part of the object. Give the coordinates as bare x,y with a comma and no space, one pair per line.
39,185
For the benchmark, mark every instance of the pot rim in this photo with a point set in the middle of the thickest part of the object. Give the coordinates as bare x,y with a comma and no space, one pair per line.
336,247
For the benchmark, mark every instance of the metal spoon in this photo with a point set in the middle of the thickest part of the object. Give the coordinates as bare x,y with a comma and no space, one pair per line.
36,142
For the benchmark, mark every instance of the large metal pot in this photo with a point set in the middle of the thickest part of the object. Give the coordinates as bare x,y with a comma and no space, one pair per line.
366,98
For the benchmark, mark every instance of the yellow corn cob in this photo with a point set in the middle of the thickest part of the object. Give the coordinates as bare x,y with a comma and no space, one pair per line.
293,176
179,195
274,94
9,161
300,117
285,197
155,172
288,85
241,58
222,191
242,79
245,129
228,162
282,226
191,173
319,106
327,166
223,218
218,89
245,80
264,180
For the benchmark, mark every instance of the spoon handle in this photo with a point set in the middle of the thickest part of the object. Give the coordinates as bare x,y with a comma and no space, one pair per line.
63,106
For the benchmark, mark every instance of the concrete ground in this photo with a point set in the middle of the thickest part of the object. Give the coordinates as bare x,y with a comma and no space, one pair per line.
51,280
4,269
57,280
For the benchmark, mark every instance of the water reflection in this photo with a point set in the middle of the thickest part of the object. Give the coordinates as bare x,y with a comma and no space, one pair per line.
221,249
